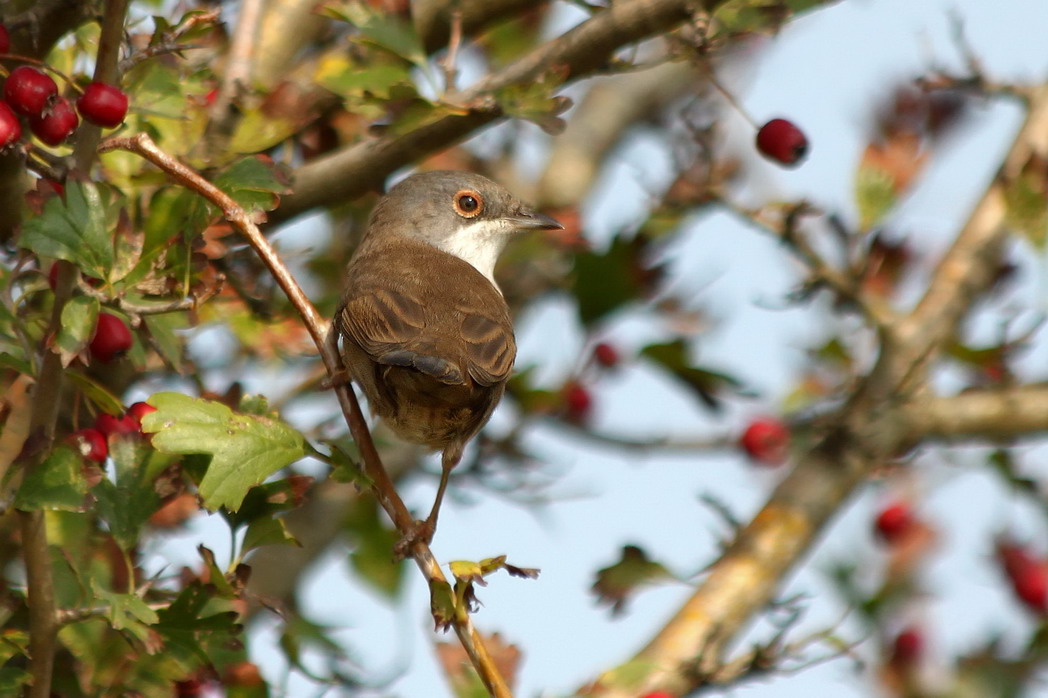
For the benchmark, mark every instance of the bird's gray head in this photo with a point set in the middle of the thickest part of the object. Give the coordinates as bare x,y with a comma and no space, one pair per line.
461,213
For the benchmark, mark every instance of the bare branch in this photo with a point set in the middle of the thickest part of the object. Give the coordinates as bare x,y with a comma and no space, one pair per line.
1000,414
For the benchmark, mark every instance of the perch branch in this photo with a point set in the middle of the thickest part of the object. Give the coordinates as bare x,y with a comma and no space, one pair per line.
385,492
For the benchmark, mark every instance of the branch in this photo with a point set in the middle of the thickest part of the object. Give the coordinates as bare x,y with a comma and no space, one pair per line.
317,327
999,414
870,429
43,624
585,49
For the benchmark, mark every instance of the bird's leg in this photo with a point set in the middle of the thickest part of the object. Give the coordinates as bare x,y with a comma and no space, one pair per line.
422,531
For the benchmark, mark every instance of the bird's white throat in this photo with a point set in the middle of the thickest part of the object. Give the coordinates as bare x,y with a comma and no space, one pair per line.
479,244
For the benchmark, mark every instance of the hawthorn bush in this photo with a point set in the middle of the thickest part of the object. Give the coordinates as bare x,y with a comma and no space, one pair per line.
143,302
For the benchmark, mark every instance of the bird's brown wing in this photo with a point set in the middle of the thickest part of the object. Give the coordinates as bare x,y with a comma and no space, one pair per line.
489,344
397,324
389,325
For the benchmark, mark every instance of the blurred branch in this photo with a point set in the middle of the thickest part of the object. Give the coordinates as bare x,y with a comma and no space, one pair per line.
871,428
585,49
997,414
382,486
286,28
433,18
597,124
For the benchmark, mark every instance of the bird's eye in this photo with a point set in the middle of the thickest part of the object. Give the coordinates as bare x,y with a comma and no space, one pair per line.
468,203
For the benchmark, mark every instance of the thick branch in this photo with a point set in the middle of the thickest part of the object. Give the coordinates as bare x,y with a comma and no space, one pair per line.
994,415
585,49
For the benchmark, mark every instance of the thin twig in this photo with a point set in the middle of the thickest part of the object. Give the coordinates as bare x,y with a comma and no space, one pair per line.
448,64
318,329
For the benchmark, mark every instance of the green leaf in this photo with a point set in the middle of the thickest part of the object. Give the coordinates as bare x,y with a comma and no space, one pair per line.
79,318
57,483
387,31
76,228
13,680
244,449
267,532
605,282
187,626
127,503
706,384
254,183
874,195
163,329
96,392
615,584
373,541
1026,199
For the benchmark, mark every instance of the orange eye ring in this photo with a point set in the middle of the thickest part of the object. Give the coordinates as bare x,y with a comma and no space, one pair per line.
468,203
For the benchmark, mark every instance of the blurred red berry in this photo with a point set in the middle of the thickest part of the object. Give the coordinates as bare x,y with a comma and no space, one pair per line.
1028,575
658,694
578,401
91,444
766,440
137,411
109,425
5,40
28,91
908,647
10,129
103,105
780,140
894,522
112,338
606,355
56,123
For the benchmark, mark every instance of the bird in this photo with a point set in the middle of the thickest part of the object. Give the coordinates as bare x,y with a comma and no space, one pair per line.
423,328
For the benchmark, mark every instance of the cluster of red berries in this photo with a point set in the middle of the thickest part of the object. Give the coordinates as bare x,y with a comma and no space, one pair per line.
32,94
93,442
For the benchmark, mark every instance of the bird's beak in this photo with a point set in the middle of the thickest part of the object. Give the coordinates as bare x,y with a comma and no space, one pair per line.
530,220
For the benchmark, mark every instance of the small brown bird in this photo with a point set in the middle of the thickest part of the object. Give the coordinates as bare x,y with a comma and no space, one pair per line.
425,331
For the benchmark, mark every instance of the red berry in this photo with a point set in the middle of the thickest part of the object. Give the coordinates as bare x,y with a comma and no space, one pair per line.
10,129
139,410
57,122
28,90
112,338
766,440
578,401
1028,575
5,40
908,647
658,694
103,105
91,444
606,355
894,522
109,425
783,142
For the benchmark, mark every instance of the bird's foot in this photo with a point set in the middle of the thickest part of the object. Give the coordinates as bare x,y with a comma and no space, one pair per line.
420,532
339,377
